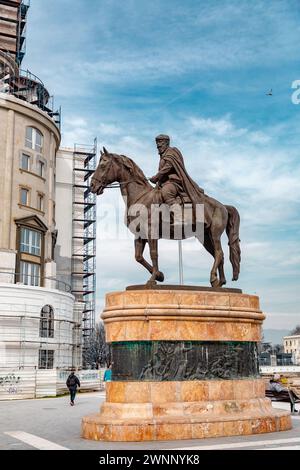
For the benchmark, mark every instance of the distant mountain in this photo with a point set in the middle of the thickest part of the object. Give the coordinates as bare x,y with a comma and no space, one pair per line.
275,336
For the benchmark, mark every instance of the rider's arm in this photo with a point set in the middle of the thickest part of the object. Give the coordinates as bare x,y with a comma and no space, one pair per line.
167,167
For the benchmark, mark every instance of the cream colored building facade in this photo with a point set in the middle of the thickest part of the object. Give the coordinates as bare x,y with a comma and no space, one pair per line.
37,309
29,141
292,345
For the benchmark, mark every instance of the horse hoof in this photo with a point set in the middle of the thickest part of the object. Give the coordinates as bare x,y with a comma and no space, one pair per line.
151,283
215,283
222,283
160,276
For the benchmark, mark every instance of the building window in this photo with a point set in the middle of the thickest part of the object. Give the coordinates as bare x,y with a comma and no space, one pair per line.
41,168
24,196
31,241
40,202
34,139
47,322
25,162
46,359
30,273
30,250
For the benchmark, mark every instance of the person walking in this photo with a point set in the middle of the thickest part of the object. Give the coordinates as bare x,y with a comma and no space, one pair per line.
72,384
108,374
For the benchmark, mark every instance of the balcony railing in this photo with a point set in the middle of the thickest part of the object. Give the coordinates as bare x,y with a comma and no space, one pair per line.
26,86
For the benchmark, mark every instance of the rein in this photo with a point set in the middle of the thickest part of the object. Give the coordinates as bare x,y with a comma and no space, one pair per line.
116,185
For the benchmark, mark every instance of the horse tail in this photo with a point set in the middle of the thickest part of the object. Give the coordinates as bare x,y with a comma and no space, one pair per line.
232,230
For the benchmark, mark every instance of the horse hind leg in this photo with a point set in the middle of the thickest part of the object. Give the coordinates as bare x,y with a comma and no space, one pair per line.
222,277
218,264
208,245
214,237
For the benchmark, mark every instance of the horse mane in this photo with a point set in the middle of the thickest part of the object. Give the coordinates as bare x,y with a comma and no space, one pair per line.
134,169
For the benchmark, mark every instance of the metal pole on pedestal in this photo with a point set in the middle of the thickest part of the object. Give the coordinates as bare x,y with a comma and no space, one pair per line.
180,262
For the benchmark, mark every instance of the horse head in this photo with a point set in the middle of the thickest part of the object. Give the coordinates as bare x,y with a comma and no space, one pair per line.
105,172
115,168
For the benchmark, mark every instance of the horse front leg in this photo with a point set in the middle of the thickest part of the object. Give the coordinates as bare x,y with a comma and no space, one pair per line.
156,274
154,259
139,250
140,244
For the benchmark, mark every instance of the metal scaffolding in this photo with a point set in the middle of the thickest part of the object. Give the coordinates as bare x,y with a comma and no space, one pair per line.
13,81
84,238
13,18
21,335
22,21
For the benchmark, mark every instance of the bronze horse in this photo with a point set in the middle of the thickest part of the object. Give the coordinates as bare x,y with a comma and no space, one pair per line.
136,189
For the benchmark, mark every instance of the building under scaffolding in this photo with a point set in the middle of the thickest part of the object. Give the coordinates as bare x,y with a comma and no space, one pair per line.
47,226
15,81
13,20
35,337
37,321
76,219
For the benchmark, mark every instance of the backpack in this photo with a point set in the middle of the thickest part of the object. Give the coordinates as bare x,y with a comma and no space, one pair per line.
72,381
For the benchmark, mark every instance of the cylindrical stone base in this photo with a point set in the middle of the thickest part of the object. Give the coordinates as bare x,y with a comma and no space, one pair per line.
185,366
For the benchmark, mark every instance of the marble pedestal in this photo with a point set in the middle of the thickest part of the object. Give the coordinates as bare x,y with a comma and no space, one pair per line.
185,366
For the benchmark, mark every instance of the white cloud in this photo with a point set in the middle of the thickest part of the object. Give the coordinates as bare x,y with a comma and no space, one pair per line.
219,127
109,129
76,130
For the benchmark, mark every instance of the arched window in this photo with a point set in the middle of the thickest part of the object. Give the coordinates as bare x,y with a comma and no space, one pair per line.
34,139
47,322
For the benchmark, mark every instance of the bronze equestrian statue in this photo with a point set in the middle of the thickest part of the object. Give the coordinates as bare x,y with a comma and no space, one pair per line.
174,187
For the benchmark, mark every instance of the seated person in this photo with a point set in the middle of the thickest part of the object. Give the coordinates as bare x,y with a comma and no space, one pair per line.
284,380
276,386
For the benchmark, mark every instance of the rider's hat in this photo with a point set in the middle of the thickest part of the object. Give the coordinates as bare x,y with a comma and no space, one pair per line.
163,137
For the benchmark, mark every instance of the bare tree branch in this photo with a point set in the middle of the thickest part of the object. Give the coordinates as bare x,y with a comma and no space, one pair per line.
97,353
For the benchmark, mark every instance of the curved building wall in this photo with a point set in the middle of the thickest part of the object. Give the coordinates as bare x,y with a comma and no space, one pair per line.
26,133
23,333
7,65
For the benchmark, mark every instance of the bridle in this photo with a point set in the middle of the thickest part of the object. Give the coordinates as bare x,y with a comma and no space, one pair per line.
119,184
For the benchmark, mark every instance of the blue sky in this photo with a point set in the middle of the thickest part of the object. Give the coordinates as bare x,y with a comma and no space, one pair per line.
198,70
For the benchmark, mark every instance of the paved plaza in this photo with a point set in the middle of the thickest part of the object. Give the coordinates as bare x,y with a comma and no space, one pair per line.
51,423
